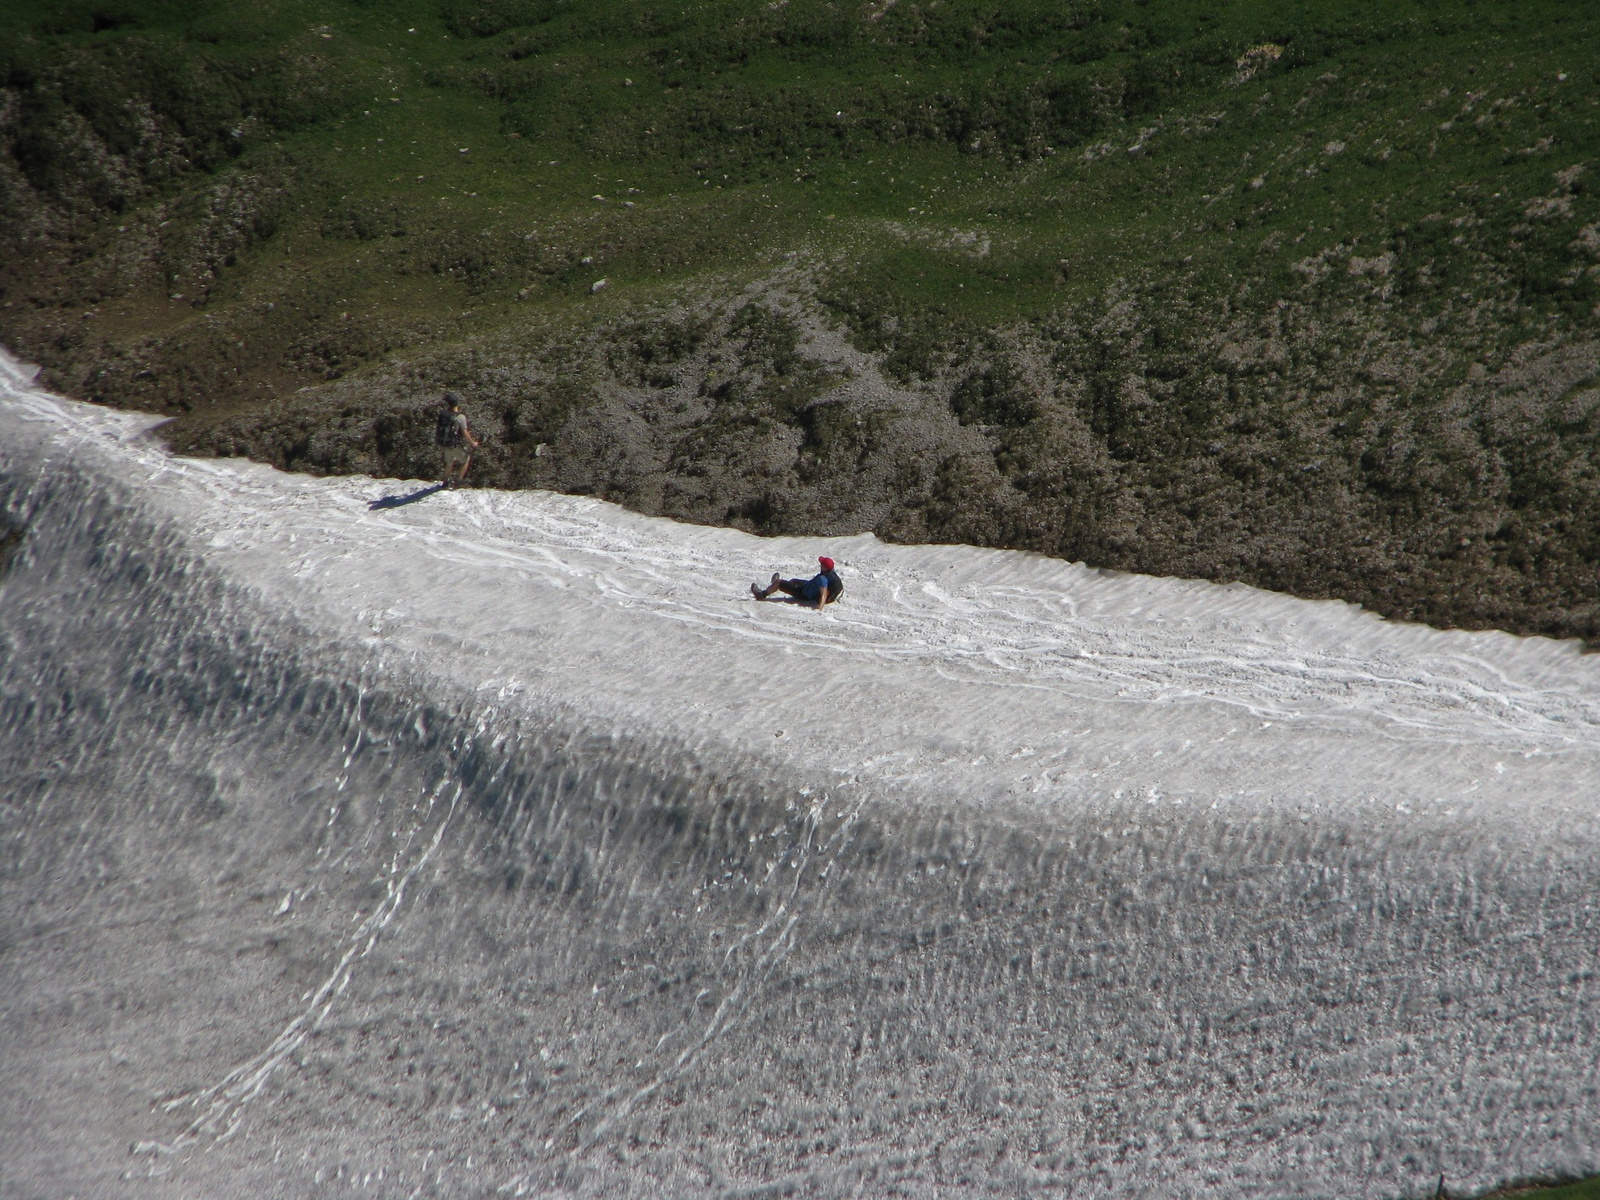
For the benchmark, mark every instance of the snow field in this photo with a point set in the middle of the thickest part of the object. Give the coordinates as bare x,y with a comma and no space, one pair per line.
1004,875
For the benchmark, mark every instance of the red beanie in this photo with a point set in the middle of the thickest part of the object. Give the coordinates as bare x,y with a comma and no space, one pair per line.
825,562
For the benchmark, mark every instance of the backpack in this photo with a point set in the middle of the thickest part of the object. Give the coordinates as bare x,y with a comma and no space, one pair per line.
447,430
835,586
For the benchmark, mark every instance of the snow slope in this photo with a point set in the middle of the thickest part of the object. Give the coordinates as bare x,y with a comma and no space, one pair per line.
502,841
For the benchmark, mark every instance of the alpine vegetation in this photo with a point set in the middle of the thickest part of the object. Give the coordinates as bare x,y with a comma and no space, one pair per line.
1301,294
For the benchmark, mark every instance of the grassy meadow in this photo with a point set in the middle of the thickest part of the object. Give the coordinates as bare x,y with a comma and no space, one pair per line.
1300,294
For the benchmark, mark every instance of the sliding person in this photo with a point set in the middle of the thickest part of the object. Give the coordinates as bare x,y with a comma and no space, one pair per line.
821,589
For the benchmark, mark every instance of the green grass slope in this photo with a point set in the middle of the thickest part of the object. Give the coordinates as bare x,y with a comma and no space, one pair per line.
1588,1189
1299,294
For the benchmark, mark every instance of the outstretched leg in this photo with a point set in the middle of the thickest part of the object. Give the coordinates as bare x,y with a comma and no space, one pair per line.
761,593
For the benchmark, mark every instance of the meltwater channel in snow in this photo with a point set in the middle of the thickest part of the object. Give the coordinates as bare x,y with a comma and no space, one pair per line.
501,844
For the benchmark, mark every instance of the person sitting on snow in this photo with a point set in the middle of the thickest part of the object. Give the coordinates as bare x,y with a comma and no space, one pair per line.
821,589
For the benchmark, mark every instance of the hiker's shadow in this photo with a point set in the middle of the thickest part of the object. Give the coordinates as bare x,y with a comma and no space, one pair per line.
401,501
780,598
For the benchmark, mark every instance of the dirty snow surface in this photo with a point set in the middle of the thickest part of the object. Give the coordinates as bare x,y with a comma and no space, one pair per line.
363,841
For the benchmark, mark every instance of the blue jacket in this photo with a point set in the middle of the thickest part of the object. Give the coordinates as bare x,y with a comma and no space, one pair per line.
812,590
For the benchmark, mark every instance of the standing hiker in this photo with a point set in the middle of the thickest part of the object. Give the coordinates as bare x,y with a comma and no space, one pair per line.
455,440
822,589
